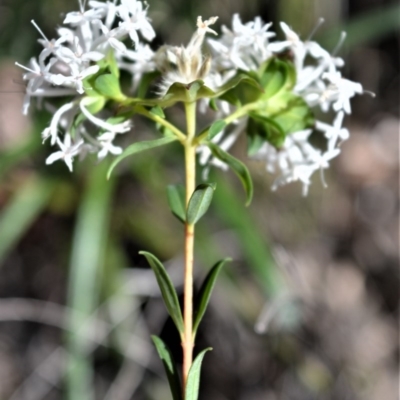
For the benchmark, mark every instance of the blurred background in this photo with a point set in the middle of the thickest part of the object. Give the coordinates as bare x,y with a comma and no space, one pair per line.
308,308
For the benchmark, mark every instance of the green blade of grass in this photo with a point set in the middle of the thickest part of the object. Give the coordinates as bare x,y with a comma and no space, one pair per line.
87,255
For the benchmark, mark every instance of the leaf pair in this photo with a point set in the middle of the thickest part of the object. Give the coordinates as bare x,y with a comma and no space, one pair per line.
170,296
198,203
171,302
188,93
193,380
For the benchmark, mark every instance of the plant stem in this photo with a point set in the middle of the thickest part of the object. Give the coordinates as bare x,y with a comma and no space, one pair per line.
190,171
141,110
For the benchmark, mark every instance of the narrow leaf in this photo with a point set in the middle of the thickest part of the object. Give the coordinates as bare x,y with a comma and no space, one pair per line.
167,289
213,105
205,292
170,367
237,166
137,148
199,202
216,128
157,110
193,381
176,201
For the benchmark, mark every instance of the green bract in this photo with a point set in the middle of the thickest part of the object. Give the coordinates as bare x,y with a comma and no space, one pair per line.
108,86
279,112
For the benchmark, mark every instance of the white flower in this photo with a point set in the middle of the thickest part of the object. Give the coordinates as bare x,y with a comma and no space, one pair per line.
67,34
111,37
293,43
134,19
107,9
142,62
343,89
67,152
334,132
50,46
118,128
76,78
244,47
77,55
190,64
105,141
296,160
75,18
52,130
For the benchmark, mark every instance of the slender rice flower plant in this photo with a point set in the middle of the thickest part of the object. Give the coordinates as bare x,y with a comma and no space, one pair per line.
271,91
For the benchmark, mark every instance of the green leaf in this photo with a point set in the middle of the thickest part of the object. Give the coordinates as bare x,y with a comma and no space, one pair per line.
118,119
108,86
216,128
205,292
176,201
170,367
186,93
94,104
237,166
197,90
108,64
199,202
285,114
194,88
193,380
232,97
213,104
157,110
167,290
235,81
267,129
113,64
254,140
139,147
277,75
241,89
296,117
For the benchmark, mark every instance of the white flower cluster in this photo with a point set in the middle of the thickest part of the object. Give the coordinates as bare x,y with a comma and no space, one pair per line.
89,35
319,83
64,63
